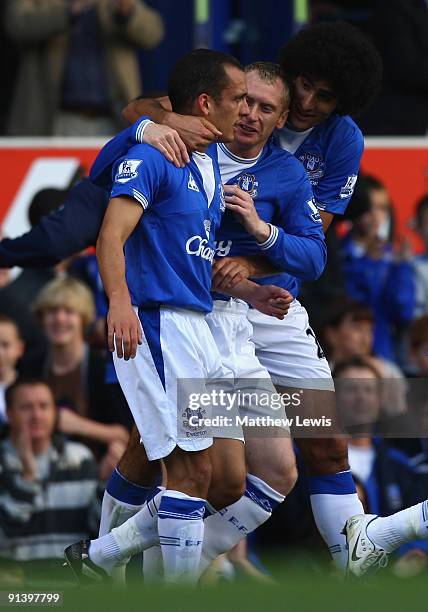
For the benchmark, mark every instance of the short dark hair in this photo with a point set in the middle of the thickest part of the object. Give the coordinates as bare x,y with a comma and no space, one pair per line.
200,71
45,202
348,308
354,362
23,381
339,54
360,202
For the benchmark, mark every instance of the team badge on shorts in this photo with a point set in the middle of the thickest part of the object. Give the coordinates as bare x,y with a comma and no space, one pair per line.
314,165
248,183
193,422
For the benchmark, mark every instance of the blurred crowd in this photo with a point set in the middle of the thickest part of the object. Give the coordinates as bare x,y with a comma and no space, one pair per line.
80,61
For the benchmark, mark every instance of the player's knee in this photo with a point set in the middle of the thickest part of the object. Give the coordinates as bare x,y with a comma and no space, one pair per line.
289,481
326,456
227,487
284,478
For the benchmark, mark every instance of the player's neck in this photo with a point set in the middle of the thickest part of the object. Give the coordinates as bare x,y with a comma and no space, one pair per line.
65,358
245,152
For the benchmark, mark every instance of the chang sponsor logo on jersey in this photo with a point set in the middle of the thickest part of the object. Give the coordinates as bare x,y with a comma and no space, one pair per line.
314,165
127,170
196,245
247,182
348,189
222,247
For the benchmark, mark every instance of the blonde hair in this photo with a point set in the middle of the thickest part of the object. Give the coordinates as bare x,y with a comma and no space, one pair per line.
67,293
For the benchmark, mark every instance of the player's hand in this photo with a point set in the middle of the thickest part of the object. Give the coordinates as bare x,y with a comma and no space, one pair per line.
228,272
196,132
168,142
123,329
271,300
242,205
24,449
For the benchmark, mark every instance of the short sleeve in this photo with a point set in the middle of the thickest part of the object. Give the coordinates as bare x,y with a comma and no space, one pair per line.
139,175
335,189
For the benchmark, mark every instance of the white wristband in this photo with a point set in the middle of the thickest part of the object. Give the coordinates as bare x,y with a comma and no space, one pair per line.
139,134
272,238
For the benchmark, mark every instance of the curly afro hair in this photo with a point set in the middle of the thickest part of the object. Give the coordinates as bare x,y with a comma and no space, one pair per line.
340,54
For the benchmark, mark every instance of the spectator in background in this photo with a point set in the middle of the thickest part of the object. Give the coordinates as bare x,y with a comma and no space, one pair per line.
11,350
399,29
18,293
418,340
90,411
374,274
420,262
389,480
348,334
79,63
48,485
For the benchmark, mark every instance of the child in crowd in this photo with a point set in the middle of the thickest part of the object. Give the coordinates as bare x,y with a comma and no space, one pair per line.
11,349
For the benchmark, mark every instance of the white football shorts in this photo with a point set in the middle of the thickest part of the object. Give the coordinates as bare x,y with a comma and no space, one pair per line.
289,350
255,394
178,357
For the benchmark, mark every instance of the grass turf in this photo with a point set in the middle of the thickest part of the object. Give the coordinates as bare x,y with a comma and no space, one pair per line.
299,587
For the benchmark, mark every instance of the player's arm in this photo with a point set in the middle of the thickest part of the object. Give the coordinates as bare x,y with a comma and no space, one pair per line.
123,214
296,243
70,229
326,218
268,299
333,192
195,132
229,271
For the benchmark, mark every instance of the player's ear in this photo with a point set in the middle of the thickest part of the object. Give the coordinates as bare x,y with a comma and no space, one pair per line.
282,119
204,104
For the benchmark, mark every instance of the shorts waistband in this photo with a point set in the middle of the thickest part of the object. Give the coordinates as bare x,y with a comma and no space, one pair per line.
196,314
184,311
232,306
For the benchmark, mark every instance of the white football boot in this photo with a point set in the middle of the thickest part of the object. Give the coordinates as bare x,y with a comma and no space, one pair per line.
364,556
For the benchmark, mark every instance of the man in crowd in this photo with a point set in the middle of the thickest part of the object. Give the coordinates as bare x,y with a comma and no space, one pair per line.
48,493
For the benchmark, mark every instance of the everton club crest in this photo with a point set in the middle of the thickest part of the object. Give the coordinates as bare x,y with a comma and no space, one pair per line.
314,166
247,182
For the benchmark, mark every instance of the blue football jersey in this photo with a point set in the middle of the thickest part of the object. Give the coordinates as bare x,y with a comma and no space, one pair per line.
331,155
283,197
169,254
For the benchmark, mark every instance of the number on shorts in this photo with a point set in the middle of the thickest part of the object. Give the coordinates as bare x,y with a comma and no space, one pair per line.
320,352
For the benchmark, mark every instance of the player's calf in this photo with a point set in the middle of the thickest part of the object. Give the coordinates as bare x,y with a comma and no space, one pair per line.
228,472
181,513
